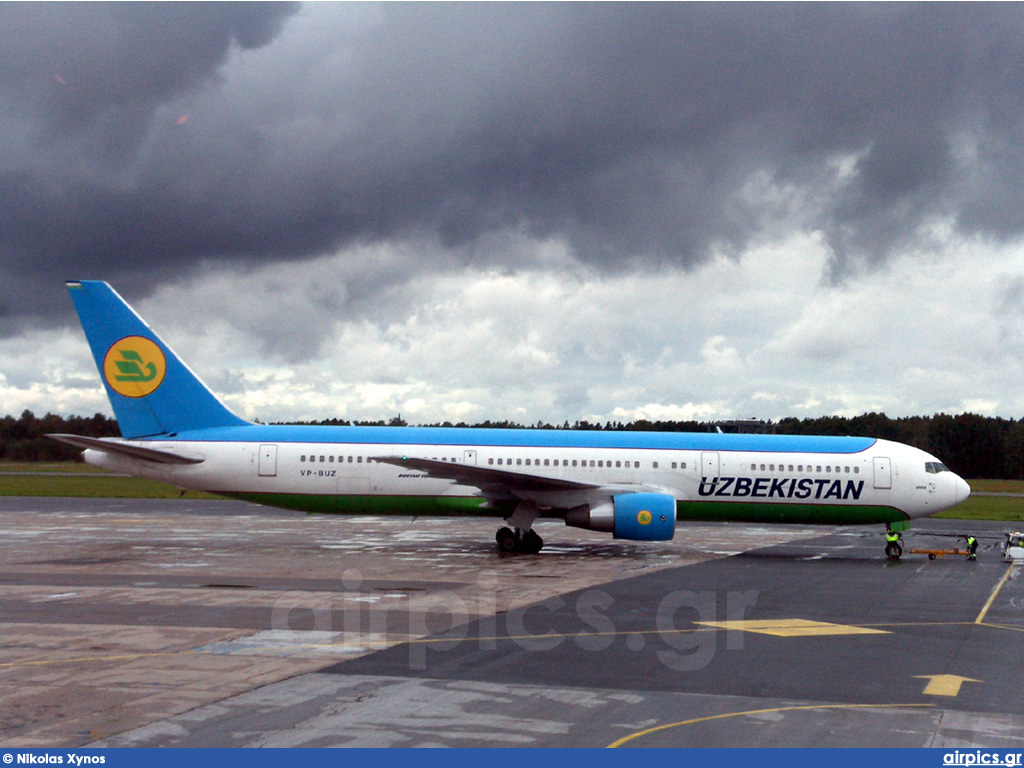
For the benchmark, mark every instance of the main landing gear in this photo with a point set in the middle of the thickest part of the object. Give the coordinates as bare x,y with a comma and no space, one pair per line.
520,537
527,542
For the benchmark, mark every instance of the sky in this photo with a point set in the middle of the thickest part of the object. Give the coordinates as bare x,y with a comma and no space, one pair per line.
533,212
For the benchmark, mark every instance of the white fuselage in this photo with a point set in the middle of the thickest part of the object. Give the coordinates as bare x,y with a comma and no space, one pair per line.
886,476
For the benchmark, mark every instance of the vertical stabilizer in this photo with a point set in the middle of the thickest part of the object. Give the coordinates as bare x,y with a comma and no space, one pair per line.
151,390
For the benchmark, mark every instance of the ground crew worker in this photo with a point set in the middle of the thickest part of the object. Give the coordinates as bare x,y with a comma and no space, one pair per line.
893,545
972,547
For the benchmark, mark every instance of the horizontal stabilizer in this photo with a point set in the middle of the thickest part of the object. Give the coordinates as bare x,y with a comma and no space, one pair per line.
113,445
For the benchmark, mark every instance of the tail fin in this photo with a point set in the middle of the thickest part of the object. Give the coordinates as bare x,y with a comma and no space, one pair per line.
151,390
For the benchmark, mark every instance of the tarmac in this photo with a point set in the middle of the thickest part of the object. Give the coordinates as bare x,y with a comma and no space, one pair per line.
217,624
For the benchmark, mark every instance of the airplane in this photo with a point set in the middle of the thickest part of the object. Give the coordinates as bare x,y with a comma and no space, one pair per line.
632,485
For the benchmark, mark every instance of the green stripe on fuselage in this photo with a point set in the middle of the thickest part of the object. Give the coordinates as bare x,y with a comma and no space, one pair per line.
802,514
373,505
694,511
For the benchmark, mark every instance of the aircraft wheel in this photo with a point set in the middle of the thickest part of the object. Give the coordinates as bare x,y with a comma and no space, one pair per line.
931,555
532,543
506,540
893,551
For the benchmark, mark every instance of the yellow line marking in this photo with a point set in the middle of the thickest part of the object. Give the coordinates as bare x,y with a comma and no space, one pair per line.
792,627
944,685
639,734
992,597
85,659
1002,626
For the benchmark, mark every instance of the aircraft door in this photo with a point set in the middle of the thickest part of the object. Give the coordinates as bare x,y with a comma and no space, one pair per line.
709,464
883,473
469,457
268,461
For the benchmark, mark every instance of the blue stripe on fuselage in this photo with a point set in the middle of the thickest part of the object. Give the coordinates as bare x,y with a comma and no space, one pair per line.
528,438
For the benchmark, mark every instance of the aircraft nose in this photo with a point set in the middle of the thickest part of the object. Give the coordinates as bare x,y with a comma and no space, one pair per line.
963,490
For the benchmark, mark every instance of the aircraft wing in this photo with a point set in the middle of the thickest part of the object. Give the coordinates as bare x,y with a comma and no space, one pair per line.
113,445
487,477
505,485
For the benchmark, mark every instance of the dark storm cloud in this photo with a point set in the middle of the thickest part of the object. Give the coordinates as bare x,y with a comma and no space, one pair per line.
105,65
146,139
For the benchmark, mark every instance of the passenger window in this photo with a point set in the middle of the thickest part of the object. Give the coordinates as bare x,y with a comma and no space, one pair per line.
682,465
330,460
655,465
302,457
359,460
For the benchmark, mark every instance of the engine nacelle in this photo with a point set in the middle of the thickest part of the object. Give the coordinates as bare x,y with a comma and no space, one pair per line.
634,516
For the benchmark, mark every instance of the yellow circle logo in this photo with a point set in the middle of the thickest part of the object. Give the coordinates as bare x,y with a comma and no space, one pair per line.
644,518
134,366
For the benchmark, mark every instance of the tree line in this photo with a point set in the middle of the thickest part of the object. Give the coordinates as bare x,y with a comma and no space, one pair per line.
973,446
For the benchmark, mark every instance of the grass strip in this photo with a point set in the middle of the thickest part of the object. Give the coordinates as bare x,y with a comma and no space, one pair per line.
99,487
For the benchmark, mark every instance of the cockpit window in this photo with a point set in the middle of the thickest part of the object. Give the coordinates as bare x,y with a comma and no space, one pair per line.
934,467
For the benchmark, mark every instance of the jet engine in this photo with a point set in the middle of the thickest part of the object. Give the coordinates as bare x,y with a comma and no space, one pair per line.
635,516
